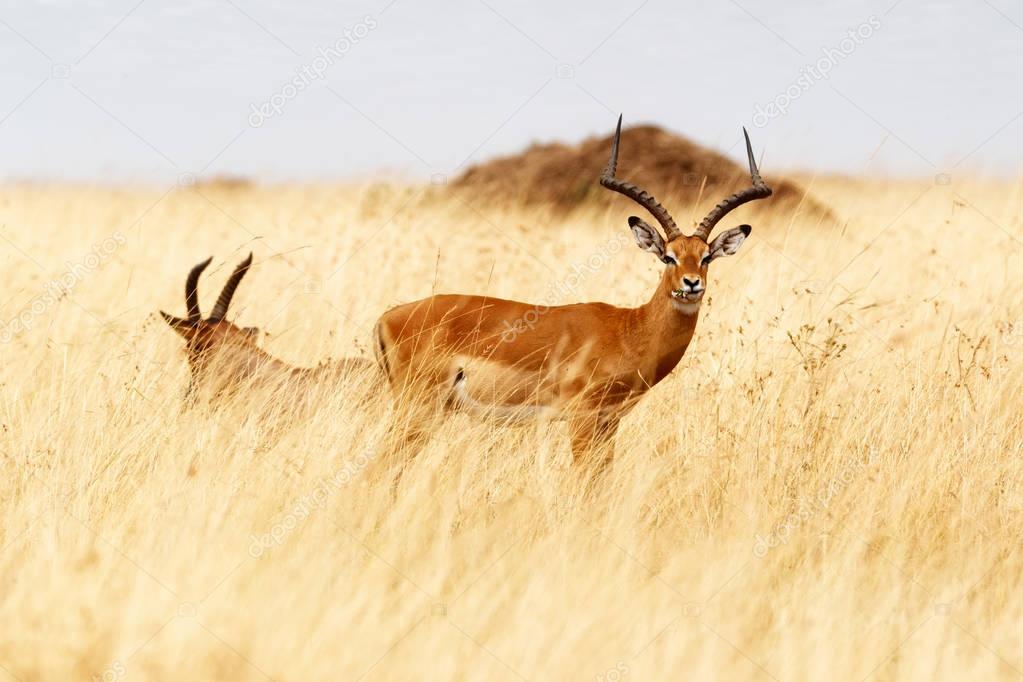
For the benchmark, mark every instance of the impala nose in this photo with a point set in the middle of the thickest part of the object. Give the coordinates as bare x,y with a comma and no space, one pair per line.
692,283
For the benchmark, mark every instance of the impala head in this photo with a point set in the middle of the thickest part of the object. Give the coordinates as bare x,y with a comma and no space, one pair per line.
686,256
200,334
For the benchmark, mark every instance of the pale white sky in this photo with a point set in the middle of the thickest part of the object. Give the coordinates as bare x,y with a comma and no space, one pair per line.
145,91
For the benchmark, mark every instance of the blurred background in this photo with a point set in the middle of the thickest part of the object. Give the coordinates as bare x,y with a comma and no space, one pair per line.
152,91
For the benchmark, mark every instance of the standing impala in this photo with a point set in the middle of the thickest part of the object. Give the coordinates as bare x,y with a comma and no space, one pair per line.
223,357
587,363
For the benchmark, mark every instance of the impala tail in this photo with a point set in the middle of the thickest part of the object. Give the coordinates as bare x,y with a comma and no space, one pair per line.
380,350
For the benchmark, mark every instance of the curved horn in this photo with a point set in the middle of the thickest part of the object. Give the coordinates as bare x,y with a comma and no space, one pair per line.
607,179
759,190
192,290
224,300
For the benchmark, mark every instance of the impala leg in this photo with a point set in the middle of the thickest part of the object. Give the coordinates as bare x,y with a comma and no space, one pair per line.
417,415
592,446
412,439
412,428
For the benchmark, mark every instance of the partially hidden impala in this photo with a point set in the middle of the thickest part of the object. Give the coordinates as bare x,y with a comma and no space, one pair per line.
223,357
587,363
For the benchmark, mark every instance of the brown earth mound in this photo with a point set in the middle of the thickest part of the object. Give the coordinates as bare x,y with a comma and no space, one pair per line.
229,183
667,165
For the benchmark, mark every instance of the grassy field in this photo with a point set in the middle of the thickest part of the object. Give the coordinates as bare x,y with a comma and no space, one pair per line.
827,487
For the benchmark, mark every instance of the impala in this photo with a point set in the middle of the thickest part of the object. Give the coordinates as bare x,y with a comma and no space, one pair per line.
587,363
223,357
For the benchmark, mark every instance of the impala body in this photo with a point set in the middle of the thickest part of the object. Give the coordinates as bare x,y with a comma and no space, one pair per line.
587,363
223,357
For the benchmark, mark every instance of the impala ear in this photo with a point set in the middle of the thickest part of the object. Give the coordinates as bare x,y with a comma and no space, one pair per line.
647,238
729,241
178,324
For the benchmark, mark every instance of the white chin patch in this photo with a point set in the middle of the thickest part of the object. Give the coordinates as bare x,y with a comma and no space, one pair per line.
686,307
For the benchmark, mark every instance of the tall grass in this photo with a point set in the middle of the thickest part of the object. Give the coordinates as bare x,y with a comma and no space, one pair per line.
827,487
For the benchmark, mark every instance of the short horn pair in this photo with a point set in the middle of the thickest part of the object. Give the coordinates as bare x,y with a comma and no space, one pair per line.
223,301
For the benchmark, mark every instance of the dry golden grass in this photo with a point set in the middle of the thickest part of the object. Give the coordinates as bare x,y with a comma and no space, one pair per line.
827,487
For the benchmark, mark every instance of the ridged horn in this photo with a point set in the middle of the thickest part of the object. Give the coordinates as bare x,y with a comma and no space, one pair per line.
759,190
224,300
641,197
192,290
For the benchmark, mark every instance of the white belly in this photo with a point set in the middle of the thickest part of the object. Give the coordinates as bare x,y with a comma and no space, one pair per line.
502,393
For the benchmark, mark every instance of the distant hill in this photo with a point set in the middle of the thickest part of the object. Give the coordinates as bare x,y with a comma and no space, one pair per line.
669,166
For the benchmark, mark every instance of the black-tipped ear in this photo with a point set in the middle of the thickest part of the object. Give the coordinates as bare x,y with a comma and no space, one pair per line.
647,238
728,242
178,324
172,320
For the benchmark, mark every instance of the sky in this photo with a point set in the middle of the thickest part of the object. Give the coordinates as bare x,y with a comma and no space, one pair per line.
163,91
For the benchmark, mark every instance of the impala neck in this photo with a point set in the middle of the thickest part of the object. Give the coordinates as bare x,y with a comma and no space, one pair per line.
669,325
237,362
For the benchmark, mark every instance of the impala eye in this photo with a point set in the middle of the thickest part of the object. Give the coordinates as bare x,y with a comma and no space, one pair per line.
705,261
669,259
